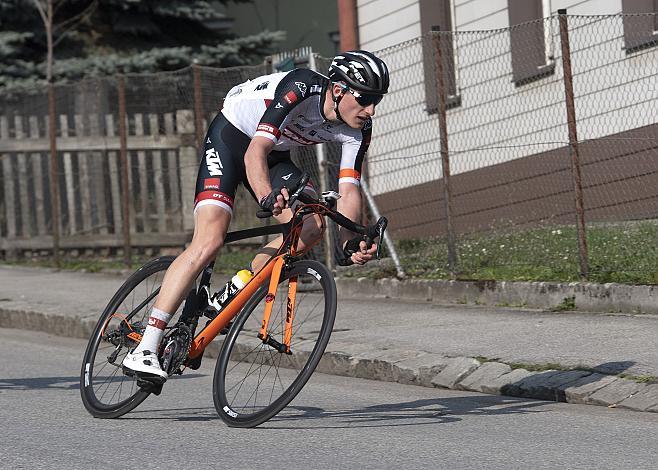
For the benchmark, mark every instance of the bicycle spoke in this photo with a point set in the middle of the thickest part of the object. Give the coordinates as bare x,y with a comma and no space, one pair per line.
249,372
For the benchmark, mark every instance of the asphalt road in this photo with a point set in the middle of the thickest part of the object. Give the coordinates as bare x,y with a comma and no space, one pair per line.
336,422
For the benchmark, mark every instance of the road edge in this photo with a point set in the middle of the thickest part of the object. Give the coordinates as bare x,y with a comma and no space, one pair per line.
413,367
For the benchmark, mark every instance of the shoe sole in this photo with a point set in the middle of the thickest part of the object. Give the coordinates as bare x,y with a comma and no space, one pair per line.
144,376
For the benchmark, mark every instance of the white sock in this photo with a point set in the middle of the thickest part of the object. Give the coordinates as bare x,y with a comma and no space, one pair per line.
154,331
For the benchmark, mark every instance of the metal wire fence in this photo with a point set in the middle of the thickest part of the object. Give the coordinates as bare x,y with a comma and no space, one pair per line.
520,154
527,152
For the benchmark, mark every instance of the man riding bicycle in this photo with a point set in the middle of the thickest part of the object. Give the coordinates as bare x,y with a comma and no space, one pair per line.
249,142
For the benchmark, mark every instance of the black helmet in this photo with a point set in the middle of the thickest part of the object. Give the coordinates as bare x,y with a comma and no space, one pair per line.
360,70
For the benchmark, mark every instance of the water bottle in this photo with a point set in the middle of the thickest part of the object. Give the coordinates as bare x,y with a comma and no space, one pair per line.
232,287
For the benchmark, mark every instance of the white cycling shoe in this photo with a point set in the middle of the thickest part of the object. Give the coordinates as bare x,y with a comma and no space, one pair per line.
144,365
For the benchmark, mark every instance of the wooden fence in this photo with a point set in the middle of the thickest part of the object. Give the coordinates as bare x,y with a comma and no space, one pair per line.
162,166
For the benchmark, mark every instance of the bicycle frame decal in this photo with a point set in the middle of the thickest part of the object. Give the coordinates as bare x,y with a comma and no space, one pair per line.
271,294
290,312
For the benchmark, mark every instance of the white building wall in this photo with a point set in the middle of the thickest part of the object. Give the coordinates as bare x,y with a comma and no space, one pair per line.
385,23
497,121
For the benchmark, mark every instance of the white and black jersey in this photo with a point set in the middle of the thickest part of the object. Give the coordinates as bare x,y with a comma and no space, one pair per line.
286,108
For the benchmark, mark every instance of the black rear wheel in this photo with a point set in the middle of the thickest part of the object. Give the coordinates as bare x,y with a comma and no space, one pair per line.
106,391
254,381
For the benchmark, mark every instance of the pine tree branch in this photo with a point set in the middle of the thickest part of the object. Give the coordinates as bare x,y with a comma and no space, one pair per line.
91,8
59,5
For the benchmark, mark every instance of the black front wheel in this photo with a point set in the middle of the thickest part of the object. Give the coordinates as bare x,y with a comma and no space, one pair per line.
254,381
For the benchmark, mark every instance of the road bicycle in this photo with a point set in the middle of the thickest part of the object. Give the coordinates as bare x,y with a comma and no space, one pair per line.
265,358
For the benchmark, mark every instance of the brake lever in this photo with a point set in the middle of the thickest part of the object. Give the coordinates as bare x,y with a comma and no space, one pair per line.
301,185
381,228
377,232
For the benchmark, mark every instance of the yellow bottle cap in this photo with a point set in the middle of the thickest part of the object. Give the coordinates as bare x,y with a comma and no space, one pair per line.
245,275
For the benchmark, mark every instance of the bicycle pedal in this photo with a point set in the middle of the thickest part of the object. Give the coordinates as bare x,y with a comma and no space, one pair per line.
150,387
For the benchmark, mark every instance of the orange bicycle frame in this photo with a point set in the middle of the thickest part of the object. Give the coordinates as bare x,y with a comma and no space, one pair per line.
271,270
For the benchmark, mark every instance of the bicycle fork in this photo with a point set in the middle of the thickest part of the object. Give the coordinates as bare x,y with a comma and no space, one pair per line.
290,309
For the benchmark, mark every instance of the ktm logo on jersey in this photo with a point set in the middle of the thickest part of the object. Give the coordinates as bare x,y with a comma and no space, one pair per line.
214,163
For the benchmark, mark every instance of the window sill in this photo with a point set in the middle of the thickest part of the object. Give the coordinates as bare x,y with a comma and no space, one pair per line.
453,101
648,44
541,72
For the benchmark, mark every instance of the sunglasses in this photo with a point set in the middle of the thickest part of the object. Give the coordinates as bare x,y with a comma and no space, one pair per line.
365,99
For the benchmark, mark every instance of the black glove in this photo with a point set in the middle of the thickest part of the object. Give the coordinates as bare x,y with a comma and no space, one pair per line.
352,246
267,203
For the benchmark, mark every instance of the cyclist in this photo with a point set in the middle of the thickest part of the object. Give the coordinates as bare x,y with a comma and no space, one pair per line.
249,141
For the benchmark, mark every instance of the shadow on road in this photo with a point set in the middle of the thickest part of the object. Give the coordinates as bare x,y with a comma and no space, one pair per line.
57,383
410,413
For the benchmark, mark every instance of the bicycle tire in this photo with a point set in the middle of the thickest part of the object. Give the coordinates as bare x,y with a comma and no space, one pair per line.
108,393
243,349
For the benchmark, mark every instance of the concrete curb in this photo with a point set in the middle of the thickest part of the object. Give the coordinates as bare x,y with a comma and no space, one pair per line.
579,296
415,367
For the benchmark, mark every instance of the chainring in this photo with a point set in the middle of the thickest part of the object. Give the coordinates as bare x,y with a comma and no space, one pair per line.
176,348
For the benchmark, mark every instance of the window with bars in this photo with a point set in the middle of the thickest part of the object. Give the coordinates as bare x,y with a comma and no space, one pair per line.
641,31
531,57
436,15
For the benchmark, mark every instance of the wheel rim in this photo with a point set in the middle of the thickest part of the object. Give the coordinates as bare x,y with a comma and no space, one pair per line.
257,375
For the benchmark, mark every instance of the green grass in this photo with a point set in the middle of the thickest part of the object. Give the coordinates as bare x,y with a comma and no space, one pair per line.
642,379
625,253
567,304
79,264
229,262
542,367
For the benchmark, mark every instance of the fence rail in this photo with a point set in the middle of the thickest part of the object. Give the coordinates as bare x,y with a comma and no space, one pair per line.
90,181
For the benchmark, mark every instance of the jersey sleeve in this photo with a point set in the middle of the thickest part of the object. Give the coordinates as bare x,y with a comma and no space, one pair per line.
353,153
290,91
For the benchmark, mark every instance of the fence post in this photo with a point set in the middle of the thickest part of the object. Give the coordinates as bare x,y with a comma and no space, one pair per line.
321,152
198,107
445,157
54,179
573,143
189,165
123,155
